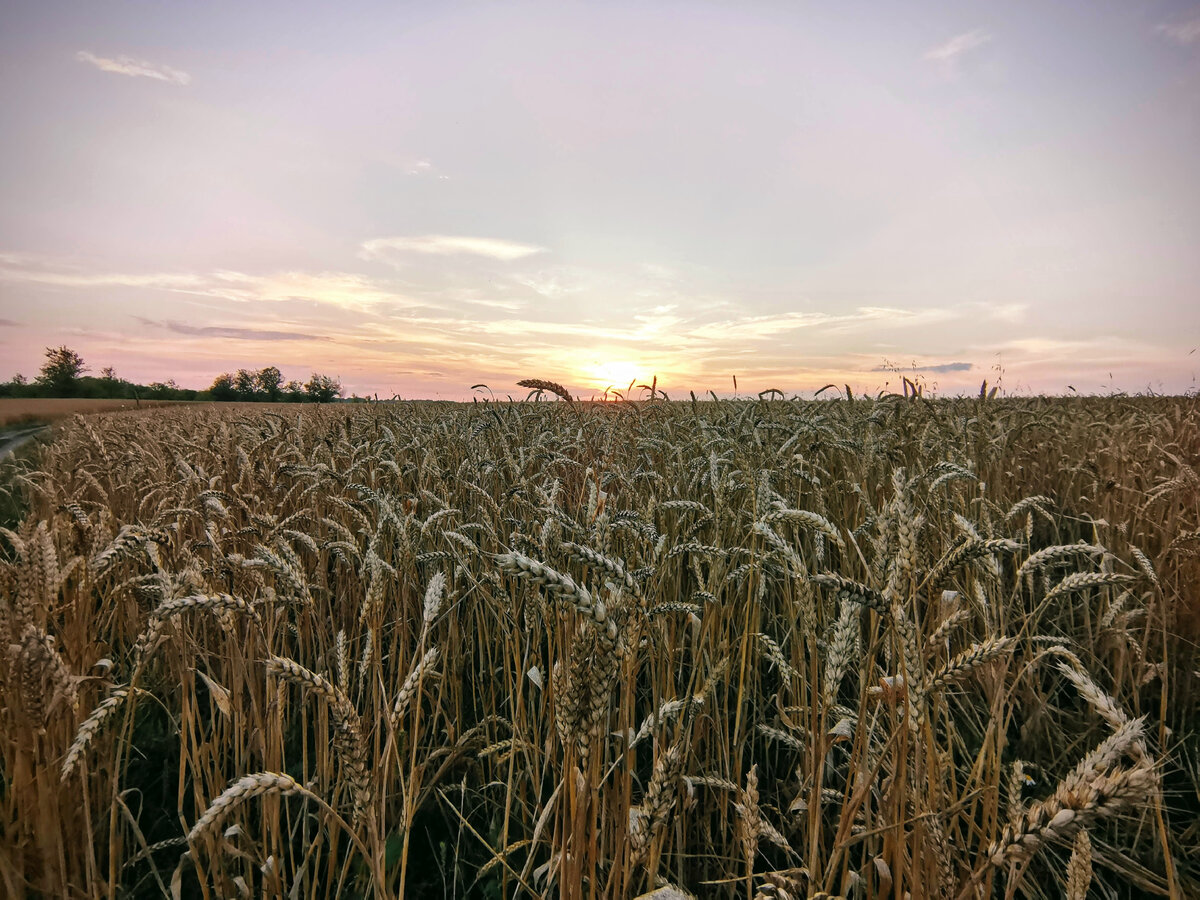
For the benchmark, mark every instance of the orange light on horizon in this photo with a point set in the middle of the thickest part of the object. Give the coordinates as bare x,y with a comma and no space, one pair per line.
612,375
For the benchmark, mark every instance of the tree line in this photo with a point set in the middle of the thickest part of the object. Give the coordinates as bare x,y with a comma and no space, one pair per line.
63,375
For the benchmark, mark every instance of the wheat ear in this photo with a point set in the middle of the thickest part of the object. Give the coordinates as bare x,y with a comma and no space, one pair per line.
245,788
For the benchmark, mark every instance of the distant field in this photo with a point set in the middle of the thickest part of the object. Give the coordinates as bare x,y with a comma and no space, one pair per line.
14,411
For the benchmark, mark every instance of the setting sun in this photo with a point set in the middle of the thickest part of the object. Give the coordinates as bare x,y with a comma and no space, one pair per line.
615,374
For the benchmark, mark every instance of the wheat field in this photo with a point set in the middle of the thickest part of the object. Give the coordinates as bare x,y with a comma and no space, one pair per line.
48,409
765,649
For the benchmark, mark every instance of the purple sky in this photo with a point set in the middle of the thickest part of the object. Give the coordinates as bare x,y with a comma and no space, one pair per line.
421,196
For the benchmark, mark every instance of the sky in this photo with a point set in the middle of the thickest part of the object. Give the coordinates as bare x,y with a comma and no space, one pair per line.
418,197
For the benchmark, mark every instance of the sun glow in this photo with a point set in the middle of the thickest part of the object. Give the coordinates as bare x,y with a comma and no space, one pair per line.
614,375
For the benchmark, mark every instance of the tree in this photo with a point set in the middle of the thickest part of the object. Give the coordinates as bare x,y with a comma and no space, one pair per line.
268,381
322,388
294,391
222,388
16,387
61,370
108,379
243,384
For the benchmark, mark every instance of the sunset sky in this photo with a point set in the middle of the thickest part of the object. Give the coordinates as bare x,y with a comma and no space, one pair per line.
420,196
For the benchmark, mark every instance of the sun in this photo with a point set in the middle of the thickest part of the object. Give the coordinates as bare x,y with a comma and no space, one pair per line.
615,373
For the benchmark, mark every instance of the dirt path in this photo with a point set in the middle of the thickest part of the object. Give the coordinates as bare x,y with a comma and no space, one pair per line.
11,440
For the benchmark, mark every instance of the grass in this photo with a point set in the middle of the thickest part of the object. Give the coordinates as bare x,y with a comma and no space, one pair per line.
752,649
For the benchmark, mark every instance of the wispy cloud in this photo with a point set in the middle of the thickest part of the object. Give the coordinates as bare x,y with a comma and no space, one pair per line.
345,290
425,167
8,323
948,55
168,281
507,305
752,328
1181,32
894,316
553,285
1100,349
137,68
237,334
387,249
940,368
1006,312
